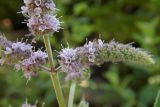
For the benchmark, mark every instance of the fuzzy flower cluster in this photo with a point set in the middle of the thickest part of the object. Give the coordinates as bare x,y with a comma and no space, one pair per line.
76,61
42,19
44,24
37,7
17,51
30,65
22,56
28,105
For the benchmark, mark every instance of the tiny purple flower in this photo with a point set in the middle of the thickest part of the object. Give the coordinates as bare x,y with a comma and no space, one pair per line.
37,11
38,2
24,9
50,6
42,28
27,1
8,50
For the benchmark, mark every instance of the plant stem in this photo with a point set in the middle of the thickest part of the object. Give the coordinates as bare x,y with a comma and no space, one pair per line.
54,76
71,94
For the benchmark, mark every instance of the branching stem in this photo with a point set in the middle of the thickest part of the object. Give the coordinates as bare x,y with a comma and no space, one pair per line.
54,75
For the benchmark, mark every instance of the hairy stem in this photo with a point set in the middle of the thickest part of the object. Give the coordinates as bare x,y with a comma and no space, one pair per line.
71,94
54,76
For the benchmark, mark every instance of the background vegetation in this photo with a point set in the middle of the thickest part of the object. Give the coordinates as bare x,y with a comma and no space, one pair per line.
111,85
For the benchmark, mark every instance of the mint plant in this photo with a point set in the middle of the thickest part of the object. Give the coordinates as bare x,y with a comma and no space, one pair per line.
42,22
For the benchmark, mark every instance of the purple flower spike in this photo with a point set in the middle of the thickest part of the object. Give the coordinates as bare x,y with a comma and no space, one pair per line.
75,62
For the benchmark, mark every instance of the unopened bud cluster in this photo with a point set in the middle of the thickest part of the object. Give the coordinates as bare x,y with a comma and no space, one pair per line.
22,56
76,61
41,16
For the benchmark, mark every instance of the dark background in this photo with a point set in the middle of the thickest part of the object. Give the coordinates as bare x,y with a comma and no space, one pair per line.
111,85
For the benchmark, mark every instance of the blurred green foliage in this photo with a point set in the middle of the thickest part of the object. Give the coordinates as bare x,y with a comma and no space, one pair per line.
111,85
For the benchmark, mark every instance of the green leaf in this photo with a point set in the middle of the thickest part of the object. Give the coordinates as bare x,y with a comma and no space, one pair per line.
80,7
112,76
148,28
